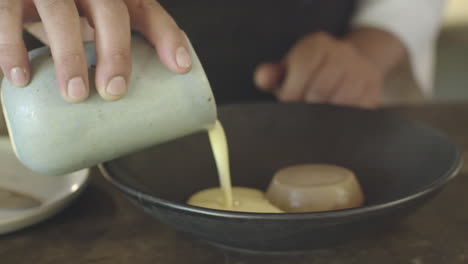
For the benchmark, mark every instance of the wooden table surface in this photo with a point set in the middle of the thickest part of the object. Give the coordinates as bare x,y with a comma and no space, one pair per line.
101,226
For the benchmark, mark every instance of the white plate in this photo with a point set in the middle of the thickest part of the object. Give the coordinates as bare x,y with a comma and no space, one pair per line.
55,193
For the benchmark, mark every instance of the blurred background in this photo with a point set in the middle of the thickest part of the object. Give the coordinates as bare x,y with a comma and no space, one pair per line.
451,82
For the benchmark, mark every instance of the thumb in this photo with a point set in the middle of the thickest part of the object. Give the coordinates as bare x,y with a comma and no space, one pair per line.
269,76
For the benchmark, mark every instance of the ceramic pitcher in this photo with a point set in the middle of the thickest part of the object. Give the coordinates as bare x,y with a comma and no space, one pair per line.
53,137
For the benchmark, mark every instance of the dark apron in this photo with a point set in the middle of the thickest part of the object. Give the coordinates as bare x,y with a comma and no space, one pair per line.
232,37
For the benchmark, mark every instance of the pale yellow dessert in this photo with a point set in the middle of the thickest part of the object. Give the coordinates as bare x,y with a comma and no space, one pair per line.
244,200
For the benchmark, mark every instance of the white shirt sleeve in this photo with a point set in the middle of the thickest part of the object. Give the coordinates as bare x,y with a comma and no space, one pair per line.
415,22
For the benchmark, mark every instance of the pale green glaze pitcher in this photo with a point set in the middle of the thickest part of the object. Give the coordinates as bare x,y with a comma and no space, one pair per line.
53,137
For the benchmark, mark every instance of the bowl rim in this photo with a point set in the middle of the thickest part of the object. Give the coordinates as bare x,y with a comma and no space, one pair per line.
424,190
451,173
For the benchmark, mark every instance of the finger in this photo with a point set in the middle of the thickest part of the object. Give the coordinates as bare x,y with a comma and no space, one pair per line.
323,84
349,91
269,76
150,18
300,68
62,25
372,96
13,55
87,31
112,24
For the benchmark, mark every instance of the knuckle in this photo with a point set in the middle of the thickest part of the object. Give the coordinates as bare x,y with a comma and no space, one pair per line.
147,4
115,5
72,57
113,8
56,4
119,55
9,50
141,12
5,46
313,44
6,7
9,12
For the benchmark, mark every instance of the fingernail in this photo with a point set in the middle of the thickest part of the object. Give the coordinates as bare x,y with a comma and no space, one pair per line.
76,88
183,58
18,76
117,86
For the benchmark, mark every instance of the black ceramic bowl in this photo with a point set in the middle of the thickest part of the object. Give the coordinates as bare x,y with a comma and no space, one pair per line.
399,162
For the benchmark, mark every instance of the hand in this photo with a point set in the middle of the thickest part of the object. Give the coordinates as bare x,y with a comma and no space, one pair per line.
112,21
322,69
